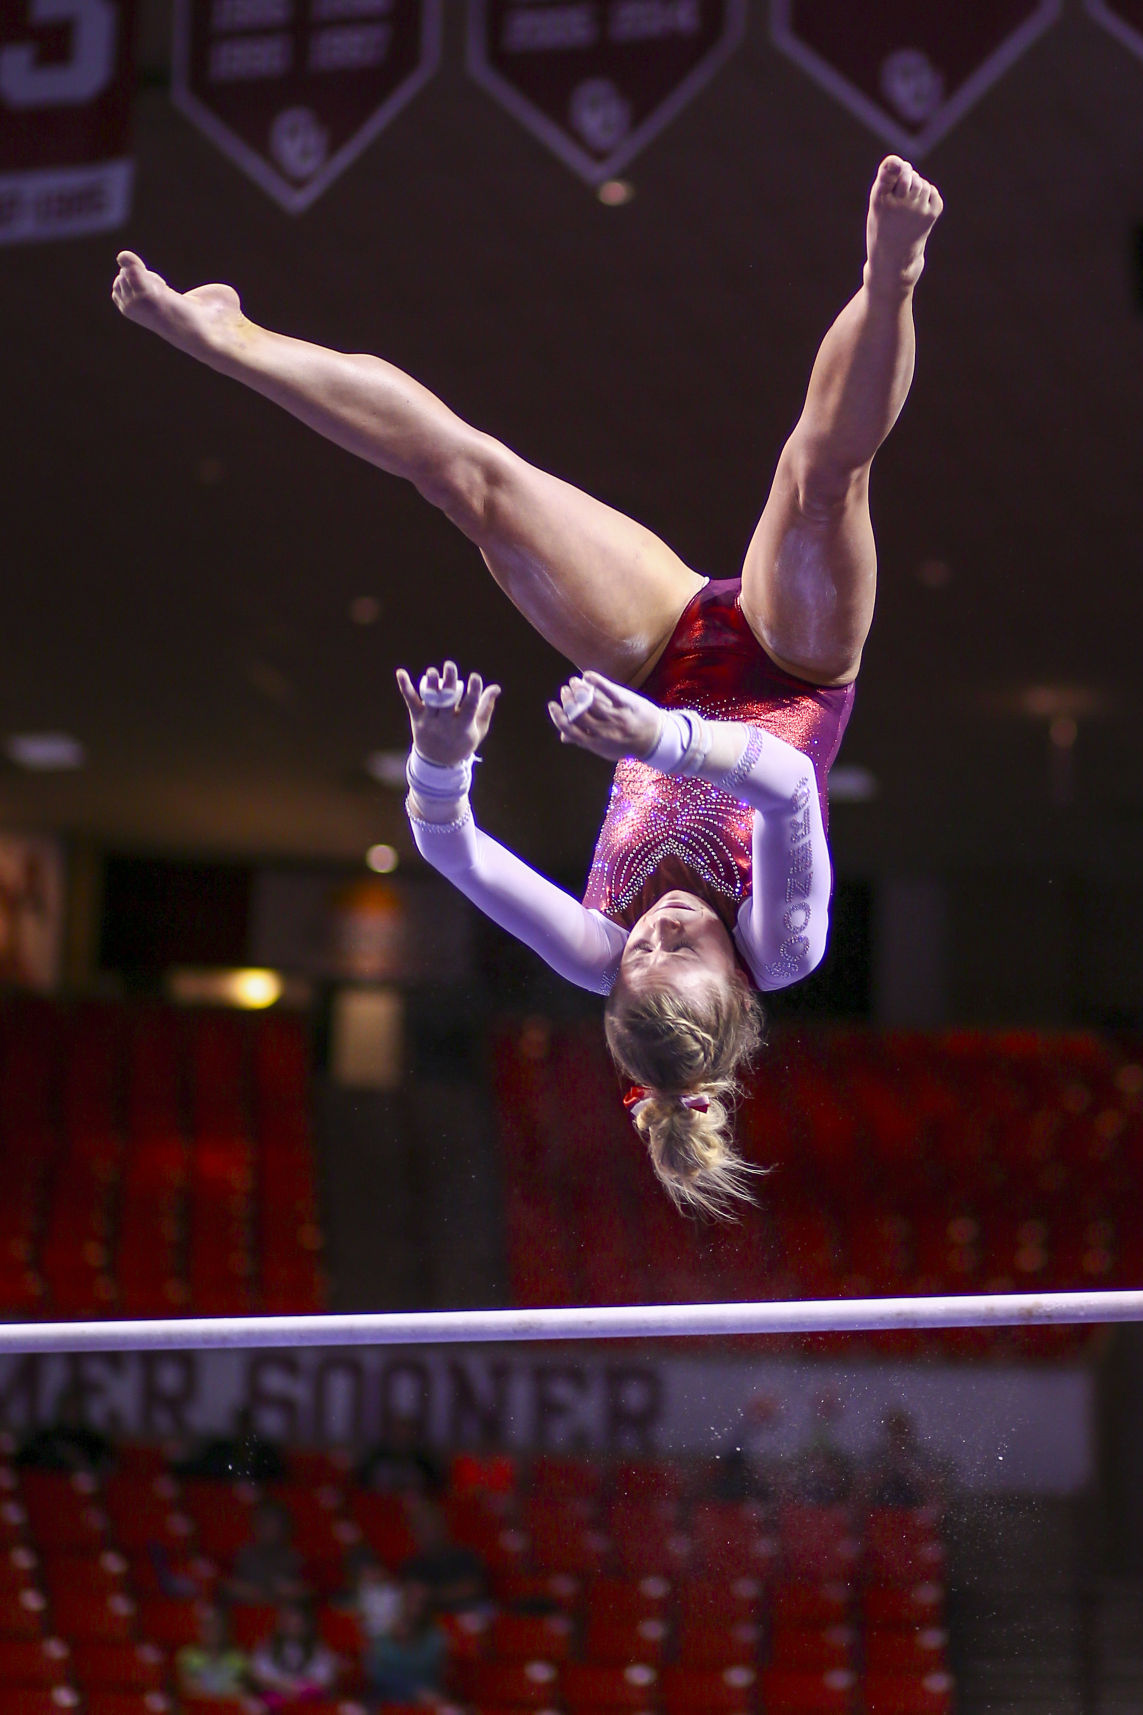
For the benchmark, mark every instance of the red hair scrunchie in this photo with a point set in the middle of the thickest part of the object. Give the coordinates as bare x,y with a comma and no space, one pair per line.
638,1093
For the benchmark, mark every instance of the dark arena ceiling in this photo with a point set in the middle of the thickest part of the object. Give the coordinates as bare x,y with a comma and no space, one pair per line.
180,559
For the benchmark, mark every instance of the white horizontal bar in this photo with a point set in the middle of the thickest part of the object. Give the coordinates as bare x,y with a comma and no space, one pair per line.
625,1321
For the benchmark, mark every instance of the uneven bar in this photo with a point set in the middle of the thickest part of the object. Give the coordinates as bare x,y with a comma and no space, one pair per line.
618,1322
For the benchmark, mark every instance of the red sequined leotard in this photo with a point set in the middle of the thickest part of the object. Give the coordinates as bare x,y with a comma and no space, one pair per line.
664,831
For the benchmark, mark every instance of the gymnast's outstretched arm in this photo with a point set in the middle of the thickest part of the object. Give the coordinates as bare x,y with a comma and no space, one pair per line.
449,719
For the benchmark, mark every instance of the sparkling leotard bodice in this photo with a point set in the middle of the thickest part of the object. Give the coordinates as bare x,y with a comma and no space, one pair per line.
661,831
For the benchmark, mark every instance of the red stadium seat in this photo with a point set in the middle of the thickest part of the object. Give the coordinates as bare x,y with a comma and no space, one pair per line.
817,1542
251,1623
569,1478
116,1702
64,1514
34,1661
903,1604
89,1615
718,1601
530,1637
536,1589
814,1647
119,1666
383,1523
797,1604
729,1538
706,1644
904,1694
647,1481
516,1685
561,1544
916,1651
586,1686
168,1622
618,1643
709,1691
620,1599
22,1611
796,1692
38,1700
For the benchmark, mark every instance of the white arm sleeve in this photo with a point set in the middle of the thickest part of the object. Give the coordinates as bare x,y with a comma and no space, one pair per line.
783,926
582,945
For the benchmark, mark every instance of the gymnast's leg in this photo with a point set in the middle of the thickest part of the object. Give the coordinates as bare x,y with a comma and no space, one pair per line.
603,590
810,574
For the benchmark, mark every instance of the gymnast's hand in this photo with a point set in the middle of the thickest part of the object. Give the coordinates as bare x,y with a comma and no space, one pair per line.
450,717
606,718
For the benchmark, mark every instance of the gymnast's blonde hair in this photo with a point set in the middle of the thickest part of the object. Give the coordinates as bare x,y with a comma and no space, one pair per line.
674,1047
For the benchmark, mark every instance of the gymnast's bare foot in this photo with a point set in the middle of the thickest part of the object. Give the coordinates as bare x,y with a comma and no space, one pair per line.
903,209
193,321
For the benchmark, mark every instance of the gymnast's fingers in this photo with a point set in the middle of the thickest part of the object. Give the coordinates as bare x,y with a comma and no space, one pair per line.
562,724
607,690
405,685
473,691
486,706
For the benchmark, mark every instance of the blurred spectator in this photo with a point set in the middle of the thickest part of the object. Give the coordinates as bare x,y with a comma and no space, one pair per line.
824,1475
244,1457
454,1576
213,1667
400,1464
68,1444
268,1568
293,1665
376,1597
405,1663
901,1471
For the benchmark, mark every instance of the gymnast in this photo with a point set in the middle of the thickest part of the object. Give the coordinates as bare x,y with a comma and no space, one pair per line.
722,702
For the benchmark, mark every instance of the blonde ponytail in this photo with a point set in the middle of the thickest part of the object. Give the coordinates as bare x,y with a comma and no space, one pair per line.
678,1048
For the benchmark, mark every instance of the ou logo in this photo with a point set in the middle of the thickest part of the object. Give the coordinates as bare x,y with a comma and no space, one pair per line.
88,69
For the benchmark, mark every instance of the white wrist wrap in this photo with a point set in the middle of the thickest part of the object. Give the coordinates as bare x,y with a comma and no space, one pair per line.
671,744
438,779
682,745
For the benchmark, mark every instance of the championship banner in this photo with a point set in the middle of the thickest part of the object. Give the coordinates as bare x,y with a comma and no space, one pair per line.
66,76
909,70
597,79
293,90
1124,19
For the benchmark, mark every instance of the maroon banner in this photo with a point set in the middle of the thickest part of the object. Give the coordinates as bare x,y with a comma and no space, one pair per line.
1124,19
909,70
293,90
597,79
66,77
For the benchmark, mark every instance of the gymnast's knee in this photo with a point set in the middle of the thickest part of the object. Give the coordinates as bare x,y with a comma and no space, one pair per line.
469,481
823,487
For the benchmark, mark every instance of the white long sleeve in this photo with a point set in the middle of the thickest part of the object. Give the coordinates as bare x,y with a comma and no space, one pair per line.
783,924
581,945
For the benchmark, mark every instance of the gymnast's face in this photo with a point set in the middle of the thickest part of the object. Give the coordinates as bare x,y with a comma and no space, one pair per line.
680,944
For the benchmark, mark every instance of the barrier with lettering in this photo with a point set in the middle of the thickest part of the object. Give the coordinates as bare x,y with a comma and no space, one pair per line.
293,90
66,76
994,1427
597,79
1123,18
909,70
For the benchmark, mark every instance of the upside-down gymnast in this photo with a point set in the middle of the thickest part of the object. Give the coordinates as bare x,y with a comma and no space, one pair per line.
711,877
